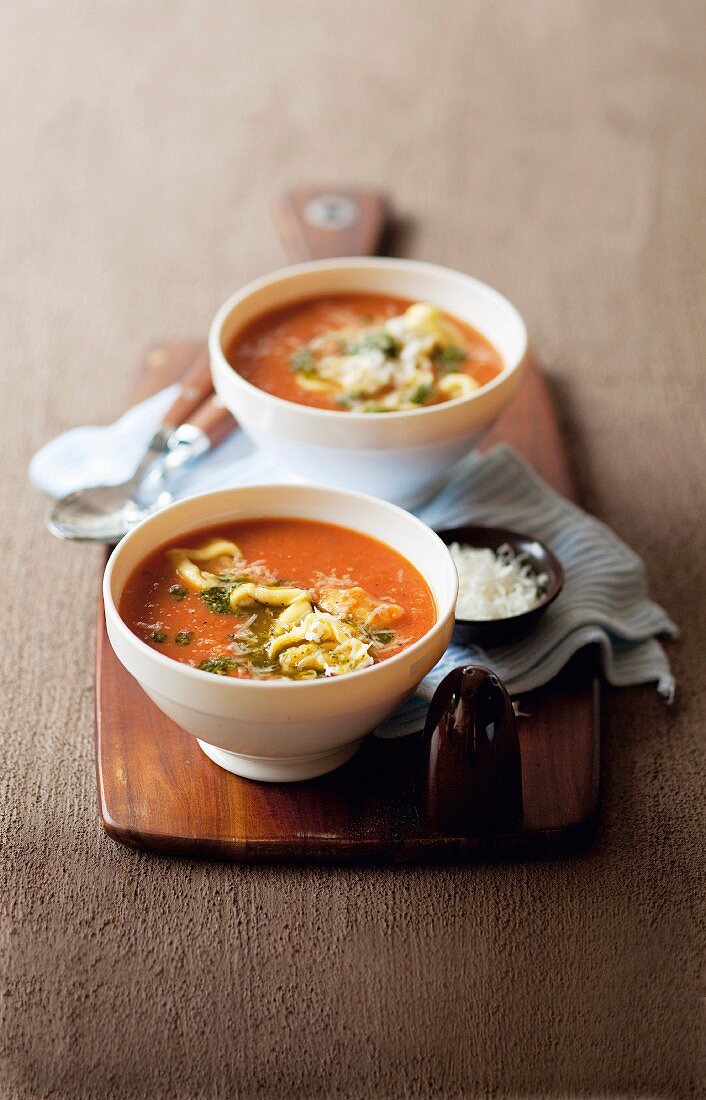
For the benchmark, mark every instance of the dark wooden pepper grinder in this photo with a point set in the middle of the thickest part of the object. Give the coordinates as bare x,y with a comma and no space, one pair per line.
470,775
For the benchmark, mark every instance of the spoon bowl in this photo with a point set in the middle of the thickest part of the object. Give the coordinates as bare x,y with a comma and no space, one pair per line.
101,514
105,513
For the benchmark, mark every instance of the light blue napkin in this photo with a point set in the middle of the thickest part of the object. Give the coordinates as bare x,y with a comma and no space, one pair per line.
604,600
108,455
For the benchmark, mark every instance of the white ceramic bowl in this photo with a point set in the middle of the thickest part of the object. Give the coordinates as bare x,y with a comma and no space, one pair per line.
404,456
281,730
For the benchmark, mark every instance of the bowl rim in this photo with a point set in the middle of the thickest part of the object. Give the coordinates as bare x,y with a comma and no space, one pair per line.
512,537
355,262
161,660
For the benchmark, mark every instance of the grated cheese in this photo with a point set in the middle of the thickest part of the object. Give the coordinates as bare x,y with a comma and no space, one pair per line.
495,585
386,367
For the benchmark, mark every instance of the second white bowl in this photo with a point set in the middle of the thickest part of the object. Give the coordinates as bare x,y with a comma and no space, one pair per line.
280,730
402,456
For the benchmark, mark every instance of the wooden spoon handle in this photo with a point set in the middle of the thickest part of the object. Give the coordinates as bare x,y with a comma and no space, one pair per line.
213,419
196,386
319,224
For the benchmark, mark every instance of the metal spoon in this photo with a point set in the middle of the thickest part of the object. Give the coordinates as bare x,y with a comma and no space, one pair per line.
106,513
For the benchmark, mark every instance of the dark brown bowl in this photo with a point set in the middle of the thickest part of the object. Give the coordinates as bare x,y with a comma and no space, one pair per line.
495,632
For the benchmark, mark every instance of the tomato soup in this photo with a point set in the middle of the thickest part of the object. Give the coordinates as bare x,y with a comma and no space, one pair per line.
364,353
269,598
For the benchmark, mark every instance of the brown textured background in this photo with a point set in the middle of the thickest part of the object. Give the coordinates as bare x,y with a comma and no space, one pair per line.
552,148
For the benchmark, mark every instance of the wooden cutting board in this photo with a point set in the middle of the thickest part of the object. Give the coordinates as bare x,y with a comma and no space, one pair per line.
157,790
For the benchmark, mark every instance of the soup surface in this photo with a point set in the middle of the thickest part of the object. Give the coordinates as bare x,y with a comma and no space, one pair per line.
278,597
363,352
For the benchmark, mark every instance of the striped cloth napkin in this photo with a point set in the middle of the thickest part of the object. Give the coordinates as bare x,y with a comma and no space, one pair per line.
604,600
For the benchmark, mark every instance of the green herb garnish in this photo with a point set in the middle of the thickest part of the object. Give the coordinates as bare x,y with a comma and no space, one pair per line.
380,340
178,592
219,666
382,637
217,599
450,354
158,636
184,637
421,393
302,360
344,401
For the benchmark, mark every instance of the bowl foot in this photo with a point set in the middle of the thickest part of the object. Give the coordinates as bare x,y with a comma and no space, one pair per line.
270,769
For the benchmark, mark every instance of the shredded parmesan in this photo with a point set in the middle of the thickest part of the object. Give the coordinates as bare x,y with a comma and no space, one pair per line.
389,366
495,584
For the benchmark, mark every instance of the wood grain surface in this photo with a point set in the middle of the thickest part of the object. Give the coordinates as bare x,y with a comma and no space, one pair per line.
158,790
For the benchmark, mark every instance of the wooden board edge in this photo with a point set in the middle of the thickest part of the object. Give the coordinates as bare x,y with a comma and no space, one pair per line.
570,839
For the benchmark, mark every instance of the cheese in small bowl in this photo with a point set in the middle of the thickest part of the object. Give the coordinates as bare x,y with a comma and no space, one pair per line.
495,584
507,580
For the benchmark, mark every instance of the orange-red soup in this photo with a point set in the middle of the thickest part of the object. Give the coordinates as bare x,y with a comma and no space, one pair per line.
380,599
286,350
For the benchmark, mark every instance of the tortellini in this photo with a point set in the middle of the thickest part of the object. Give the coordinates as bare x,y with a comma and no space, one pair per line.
355,603
457,385
332,660
271,595
292,630
401,364
424,320
316,626
184,561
